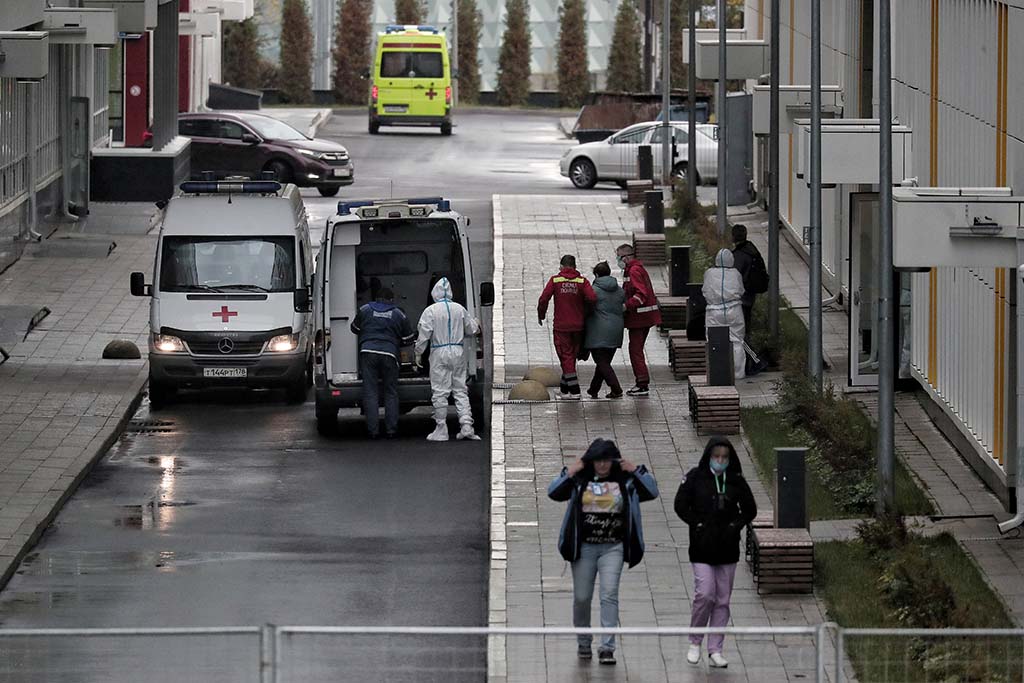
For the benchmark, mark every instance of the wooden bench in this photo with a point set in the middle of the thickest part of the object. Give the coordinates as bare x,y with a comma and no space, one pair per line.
715,410
783,561
650,248
765,519
687,358
673,312
635,190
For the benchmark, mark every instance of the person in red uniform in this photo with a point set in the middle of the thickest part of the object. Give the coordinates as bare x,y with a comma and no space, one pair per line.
573,294
642,313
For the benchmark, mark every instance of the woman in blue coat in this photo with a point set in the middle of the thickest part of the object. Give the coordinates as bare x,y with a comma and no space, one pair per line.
601,531
605,325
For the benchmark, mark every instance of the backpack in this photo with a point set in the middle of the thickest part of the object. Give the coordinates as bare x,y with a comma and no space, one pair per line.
756,281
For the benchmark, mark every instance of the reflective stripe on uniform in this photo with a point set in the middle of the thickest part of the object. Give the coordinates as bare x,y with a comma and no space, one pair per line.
646,309
559,279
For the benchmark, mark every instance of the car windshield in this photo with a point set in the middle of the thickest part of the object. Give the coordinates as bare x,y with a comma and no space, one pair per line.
272,129
411,65
222,264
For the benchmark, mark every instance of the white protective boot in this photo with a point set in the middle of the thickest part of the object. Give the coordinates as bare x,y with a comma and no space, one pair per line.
467,433
440,432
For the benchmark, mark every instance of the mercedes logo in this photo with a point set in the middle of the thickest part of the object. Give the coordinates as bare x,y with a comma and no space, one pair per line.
225,345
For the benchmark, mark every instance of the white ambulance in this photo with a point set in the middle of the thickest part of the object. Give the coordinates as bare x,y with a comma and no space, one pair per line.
405,245
231,291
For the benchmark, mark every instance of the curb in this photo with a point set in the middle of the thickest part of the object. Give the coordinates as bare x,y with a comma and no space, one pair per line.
50,507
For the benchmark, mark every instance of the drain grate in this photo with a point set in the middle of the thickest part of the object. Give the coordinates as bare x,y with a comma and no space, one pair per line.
150,427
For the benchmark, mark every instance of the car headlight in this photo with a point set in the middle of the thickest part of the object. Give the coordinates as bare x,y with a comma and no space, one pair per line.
283,343
166,343
309,153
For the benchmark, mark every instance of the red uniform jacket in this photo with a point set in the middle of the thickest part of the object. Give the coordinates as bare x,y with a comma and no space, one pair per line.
572,293
641,303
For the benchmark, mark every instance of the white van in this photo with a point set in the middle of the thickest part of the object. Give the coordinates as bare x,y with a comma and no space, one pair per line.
230,294
405,245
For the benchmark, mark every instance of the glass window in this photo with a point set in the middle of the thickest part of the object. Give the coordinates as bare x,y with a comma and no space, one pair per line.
679,135
635,137
412,65
392,263
272,129
230,130
222,264
202,128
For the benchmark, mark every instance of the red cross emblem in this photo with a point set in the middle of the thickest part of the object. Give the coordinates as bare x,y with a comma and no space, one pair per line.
431,93
225,314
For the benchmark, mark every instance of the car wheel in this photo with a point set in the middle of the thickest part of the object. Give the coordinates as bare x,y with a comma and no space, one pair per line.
680,173
328,191
297,391
583,174
446,128
326,420
160,395
374,127
281,171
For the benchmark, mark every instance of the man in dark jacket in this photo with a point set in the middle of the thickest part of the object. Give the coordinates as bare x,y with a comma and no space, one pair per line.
601,530
642,313
382,328
744,254
716,502
573,295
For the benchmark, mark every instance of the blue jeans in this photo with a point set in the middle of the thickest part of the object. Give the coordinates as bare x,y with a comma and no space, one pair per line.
604,560
378,370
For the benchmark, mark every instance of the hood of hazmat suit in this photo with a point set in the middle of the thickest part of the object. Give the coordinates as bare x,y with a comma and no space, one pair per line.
723,290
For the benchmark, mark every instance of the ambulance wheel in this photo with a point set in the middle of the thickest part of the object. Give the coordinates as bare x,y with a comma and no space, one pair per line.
297,391
160,395
326,420
282,171
374,127
328,191
446,128
479,409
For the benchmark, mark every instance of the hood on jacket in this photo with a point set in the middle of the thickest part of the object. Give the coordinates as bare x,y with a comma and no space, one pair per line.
725,259
734,462
607,283
602,449
442,290
568,272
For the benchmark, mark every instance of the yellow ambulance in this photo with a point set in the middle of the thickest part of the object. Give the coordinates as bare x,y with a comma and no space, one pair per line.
411,80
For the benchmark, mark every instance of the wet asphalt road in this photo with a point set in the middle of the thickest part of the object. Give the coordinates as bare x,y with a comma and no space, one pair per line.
229,508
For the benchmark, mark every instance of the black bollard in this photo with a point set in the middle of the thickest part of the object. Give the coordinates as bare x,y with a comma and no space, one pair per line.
720,364
790,488
654,213
645,162
679,270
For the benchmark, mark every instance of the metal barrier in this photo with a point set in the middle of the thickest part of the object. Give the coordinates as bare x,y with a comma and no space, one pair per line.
283,654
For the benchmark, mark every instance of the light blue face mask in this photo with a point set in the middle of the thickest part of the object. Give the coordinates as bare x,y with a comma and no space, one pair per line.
620,261
719,467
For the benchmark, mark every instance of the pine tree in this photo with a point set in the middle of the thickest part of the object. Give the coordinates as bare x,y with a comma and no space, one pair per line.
573,72
470,22
352,42
624,70
241,54
514,57
296,52
409,12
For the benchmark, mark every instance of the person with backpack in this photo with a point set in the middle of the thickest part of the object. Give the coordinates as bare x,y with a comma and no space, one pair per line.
747,259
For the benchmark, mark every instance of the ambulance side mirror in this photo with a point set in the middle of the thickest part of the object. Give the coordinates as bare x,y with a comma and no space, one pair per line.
138,285
486,293
302,302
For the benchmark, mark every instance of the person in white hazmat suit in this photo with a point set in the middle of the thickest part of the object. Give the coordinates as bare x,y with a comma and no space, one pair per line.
443,326
723,290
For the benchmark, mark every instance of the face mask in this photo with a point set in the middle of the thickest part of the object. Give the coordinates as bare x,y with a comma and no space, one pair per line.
719,467
620,261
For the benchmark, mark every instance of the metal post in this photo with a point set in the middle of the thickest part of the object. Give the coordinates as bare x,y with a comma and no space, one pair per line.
814,361
648,45
840,645
886,497
666,86
455,51
819,634
773,182
723,174
31,153
1016,380
268,653
691,116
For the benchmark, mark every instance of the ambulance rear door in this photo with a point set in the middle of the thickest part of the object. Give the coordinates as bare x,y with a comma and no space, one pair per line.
340,299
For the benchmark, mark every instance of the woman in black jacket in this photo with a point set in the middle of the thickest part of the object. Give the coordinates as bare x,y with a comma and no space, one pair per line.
716,502
601,531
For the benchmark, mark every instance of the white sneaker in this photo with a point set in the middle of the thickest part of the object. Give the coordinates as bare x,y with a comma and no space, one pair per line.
693,654
467,433
440,433
717,661
567,397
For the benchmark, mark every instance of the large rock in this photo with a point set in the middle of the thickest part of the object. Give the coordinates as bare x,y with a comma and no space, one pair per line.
121,349
529,390
546,376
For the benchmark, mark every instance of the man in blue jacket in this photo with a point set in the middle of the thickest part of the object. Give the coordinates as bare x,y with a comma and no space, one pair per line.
383,329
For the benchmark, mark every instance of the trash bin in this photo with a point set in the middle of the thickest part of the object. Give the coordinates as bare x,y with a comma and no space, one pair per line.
229,97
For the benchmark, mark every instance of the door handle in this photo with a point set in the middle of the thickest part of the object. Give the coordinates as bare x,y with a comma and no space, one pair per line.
856,297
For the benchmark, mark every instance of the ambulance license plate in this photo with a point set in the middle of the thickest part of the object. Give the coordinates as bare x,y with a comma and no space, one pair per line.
343,172
396,108
224,372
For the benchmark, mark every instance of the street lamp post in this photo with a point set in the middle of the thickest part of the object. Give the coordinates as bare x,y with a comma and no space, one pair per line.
723,174
773,181
666,84
814,360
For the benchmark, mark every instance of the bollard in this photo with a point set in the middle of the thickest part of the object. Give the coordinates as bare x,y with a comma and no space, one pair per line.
654,213
720,369
696,307
645,162
791,489
679,270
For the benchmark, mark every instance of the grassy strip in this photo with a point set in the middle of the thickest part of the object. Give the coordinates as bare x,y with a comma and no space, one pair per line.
855,585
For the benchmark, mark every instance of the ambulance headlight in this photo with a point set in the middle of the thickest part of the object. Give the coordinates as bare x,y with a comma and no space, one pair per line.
283,343
166,343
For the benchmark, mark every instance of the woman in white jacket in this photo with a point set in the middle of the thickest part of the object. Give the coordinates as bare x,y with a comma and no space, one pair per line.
723,290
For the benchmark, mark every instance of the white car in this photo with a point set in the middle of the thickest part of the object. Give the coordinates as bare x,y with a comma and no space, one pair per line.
615,158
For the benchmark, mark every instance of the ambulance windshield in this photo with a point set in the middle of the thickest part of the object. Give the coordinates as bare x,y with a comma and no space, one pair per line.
224,264
411,65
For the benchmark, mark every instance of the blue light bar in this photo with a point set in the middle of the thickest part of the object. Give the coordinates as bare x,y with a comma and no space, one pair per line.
226,187
345,208
427,29
394,28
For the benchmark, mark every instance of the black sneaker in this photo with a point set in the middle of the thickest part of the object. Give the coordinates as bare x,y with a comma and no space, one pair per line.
639,391
592,394
613,394
583,652
606,657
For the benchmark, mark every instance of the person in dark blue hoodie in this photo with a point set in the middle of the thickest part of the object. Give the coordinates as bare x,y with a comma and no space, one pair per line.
383,329
601,531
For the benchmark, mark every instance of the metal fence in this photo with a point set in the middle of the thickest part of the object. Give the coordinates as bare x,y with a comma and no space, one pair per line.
283,654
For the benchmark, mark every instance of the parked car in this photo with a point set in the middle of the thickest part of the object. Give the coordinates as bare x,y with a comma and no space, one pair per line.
615,158
238,143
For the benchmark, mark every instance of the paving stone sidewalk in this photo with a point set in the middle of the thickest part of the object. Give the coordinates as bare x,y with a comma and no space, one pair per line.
530,583
61,405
